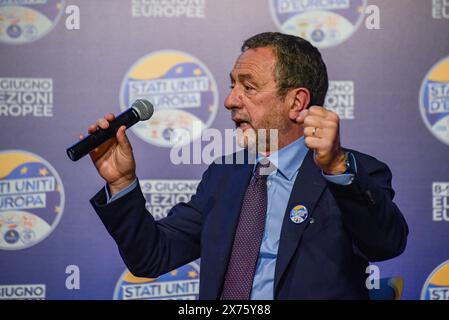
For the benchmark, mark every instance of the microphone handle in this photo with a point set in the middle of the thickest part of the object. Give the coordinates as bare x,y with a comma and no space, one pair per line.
84,146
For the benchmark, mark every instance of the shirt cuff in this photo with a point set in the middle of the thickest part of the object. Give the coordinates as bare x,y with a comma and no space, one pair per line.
343,179
119,194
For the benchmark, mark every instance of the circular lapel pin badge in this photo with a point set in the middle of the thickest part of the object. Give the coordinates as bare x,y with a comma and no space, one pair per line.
298,214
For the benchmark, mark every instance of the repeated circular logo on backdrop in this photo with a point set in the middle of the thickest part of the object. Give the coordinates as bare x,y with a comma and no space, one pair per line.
323,23
434,100
436,286
31,199
179,284
182,90
28,20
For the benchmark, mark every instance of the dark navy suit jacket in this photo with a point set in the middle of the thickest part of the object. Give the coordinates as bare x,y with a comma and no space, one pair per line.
325,257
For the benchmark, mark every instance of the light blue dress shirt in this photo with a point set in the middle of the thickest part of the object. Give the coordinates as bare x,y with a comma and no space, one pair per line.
280,182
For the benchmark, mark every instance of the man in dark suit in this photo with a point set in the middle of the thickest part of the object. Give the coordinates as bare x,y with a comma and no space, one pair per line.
306,228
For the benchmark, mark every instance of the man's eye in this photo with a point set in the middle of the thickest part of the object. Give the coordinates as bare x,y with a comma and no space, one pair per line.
247,87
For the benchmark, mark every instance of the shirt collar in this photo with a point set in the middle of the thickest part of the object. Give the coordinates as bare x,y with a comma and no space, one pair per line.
288,159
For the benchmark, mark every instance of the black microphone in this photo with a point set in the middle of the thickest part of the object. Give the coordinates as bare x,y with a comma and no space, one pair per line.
140,110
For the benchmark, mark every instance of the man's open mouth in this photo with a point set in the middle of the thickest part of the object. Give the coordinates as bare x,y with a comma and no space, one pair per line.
242,124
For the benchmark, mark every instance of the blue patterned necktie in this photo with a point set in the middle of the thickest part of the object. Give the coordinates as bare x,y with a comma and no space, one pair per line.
248,238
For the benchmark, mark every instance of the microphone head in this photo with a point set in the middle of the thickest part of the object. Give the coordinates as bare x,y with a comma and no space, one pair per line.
144,108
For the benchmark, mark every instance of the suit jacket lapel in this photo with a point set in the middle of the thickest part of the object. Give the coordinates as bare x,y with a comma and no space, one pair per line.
307,189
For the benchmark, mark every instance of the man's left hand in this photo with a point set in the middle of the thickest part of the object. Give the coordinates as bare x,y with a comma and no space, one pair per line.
322,134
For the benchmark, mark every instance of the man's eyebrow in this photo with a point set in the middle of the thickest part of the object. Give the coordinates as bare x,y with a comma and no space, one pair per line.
245,76
241,77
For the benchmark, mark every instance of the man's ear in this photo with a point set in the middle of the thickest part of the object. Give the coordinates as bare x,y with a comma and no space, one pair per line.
299,100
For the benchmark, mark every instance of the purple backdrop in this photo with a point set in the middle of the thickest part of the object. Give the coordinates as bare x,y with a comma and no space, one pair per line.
55,81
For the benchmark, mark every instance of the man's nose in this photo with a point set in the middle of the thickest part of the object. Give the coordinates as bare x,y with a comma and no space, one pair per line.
234,99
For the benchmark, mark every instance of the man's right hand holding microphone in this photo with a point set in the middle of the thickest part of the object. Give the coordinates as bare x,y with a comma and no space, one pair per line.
114,159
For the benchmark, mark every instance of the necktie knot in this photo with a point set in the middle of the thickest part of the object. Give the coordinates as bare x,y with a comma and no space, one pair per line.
263,169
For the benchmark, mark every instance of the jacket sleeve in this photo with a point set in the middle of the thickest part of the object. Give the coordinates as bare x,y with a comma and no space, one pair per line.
151,248
377,226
